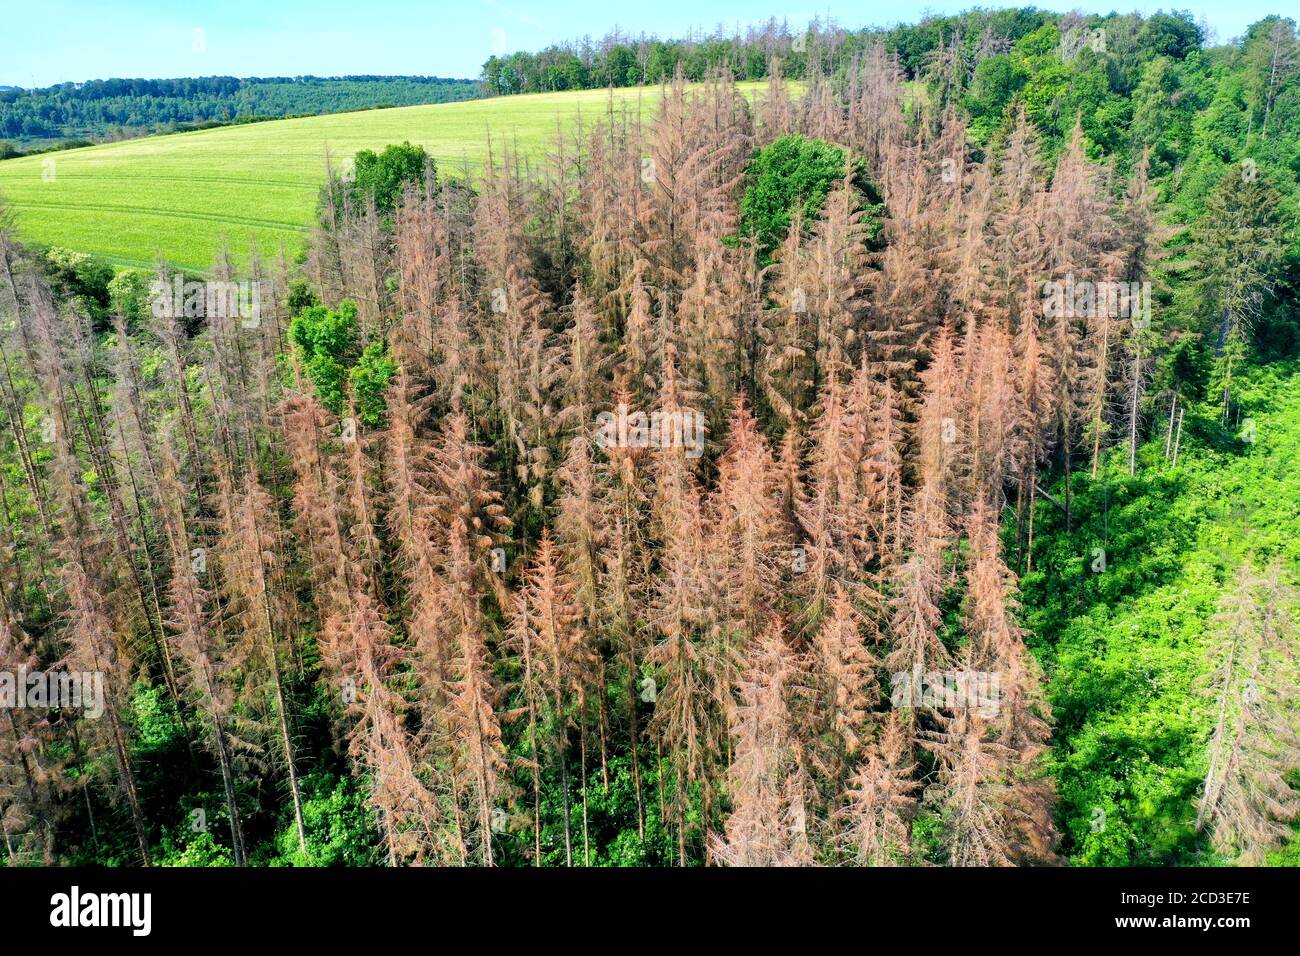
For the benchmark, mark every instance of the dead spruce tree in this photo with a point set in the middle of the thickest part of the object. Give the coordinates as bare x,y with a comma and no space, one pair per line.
559,667
1248,803
262,611
468,522
98,634
768,824
197,644
873,826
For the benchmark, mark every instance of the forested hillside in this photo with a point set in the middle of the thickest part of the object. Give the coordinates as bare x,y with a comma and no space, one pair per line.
102,110
901,473
621,59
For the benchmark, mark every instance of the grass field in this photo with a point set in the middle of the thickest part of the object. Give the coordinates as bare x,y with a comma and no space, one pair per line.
177,195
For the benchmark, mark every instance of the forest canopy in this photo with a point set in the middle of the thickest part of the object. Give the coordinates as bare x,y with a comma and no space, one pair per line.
115,108
895,469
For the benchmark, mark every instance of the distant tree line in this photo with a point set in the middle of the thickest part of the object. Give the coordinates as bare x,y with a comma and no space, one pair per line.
117,108
624,60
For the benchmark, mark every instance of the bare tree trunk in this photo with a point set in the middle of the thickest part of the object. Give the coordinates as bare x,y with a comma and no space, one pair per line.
564,781
282,714
282,710
232,804
680,811
1029,544
1169,431
77,754
1179,438
536,761
128,778
1134,394
582,744
634,734
484,807
227,775
1208,794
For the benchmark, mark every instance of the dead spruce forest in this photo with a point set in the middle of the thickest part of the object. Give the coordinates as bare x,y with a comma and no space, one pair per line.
420,561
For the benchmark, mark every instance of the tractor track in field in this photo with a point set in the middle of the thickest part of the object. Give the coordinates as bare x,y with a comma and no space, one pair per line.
233,173
276,224
72,174
85,173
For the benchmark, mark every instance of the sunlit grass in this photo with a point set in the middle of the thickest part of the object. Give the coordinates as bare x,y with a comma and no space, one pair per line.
177,195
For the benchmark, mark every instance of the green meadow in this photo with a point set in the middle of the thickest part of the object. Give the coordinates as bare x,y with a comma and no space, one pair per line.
178,195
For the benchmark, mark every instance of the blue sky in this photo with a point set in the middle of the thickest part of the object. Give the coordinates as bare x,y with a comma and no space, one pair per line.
53,41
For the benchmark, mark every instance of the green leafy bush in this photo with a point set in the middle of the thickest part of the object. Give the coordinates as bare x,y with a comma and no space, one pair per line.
787,180
368,379
339,824
382,176
326,343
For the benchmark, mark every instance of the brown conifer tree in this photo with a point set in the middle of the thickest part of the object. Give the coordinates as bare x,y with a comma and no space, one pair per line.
1248,803
196,644
874,824
767,825
969,791
844,674
252,565
746,532
559,668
